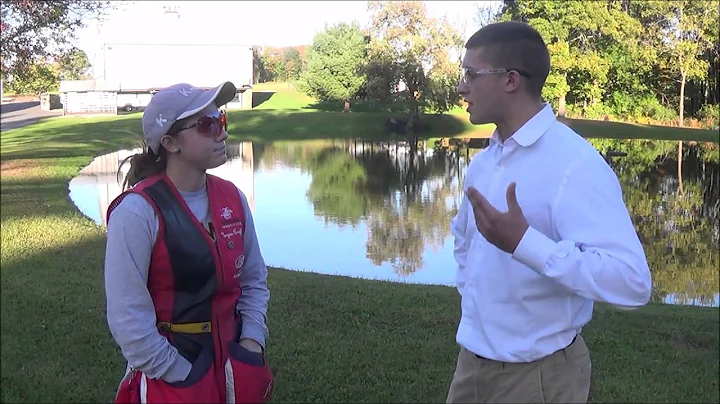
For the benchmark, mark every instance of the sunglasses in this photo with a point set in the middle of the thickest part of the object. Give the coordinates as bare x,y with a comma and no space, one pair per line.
210,126
468,74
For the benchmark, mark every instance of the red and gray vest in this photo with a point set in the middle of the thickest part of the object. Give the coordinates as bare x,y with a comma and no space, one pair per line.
194,282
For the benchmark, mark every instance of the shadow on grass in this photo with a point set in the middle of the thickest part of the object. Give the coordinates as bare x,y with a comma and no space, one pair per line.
37,197
8,125
258,98
71,137
53,315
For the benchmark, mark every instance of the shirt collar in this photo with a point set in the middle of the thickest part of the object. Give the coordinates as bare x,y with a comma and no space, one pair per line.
532,130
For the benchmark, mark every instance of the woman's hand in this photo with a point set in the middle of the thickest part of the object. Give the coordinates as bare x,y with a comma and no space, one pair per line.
251,345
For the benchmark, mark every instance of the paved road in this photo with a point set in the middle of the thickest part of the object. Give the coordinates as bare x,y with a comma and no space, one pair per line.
17,114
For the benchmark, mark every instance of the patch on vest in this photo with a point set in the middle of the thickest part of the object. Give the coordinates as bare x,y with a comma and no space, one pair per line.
234,232
228,221
229,224
226,213
239,262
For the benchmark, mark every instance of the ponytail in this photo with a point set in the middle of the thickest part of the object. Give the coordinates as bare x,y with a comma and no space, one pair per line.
147,163
143,165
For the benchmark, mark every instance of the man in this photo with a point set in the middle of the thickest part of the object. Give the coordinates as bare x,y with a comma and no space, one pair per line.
541,234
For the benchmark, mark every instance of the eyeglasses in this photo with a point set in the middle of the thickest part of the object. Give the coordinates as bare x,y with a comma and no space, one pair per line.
468,73
210,126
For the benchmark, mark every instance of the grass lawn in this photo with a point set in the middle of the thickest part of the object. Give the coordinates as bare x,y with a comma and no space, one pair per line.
282,98
333,339
620,130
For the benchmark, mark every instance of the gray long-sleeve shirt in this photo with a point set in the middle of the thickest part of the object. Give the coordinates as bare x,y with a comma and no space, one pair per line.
131,233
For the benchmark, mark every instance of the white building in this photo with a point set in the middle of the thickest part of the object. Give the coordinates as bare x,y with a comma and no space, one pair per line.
129,69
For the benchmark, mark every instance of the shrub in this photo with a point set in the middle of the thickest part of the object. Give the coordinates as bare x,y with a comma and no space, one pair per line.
709,115
641,109
597,111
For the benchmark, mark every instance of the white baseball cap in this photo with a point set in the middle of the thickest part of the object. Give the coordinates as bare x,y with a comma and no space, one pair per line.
177,102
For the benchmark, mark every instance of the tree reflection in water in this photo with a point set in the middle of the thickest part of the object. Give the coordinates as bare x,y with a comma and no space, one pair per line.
406,196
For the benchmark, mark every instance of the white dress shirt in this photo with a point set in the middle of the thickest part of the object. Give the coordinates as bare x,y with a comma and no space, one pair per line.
581,245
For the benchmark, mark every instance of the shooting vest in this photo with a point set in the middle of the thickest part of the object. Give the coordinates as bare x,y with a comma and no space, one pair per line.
194,282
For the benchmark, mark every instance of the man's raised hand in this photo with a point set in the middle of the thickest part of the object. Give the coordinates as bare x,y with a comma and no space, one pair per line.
502,229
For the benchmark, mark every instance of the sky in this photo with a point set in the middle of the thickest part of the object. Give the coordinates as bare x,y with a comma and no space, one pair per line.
274,23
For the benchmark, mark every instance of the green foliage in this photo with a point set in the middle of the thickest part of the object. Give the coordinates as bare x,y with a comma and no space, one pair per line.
619,53
73,65
576,33
35,30
335,63
641,154
278,64
634,108
597,110
293,64
710,114
409,48
336,190
39,76
34,79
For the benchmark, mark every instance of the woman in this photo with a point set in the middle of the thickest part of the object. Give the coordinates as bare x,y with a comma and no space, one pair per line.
184,277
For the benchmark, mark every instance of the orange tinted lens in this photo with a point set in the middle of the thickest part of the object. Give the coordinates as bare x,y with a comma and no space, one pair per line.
205,125
223,120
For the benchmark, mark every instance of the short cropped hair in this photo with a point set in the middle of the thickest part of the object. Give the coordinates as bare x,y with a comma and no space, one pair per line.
515,45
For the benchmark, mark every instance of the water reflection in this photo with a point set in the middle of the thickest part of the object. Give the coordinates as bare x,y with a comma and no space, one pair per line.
383,210
97,184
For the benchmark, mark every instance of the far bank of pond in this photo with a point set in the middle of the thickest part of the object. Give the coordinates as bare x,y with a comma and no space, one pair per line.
374,210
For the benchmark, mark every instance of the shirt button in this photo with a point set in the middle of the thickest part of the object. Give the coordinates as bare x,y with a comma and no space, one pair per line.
499,167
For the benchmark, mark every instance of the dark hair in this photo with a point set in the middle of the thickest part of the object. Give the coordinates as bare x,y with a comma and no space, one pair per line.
147,163
518,46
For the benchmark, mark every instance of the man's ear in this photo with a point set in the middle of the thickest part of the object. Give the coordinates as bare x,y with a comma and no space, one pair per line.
512,81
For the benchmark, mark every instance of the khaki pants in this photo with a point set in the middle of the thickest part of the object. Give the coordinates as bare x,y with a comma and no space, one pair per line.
562,377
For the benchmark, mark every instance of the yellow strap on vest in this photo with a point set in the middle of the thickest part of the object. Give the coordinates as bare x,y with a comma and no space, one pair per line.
186,328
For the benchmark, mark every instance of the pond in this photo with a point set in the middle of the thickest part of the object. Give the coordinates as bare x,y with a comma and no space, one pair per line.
371,210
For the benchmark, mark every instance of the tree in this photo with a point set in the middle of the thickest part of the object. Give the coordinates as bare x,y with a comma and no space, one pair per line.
292,64
335,63
258,64
627,59
487,13
73,65
277,64
44,75
37,78
687,40
409,48
578,34
34,30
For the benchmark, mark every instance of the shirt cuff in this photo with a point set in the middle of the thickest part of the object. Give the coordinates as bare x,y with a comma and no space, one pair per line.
534,250
254,332
178,371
